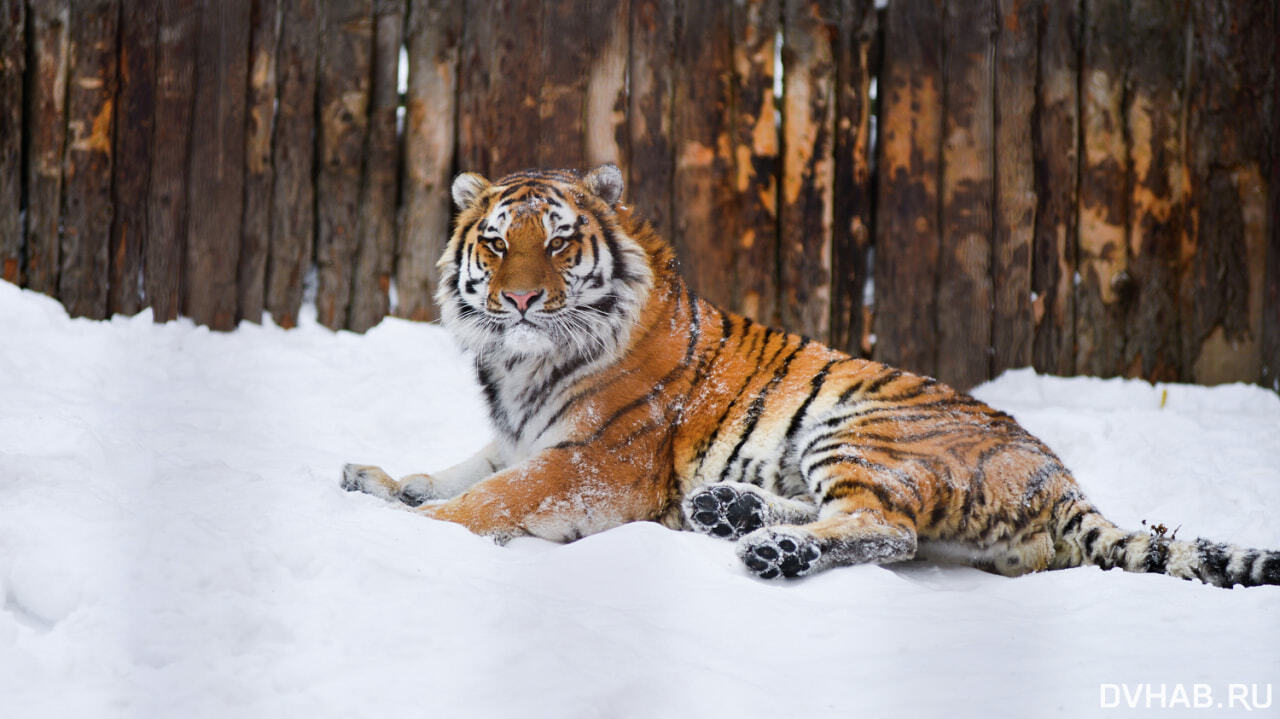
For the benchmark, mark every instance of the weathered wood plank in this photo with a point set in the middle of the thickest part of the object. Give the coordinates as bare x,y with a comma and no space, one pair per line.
12,65
1271,296
343,84
133,149
808,165
1105,288
255,229
475,60
564,58
215,199
756,160
86,166
907,244
46,97
1229,194
702,126
851,223
649,111
433,38
178,24
1056,141
609,34
1155,112
964,284
293,154
513,115
375,255
1012,323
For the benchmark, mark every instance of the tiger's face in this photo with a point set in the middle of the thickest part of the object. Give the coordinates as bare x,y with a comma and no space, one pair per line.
538,265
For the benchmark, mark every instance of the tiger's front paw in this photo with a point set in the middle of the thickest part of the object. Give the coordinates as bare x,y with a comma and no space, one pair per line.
368,479
725,510
780,552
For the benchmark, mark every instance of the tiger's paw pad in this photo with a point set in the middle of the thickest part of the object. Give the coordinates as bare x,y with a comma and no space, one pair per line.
725,511
773,553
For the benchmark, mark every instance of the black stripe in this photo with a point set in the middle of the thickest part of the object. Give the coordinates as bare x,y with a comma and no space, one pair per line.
1089,538
490,388
883,380
756,408
1157,559
815,386
1074,522
839,489
1214,558
544,391
595,256
701,454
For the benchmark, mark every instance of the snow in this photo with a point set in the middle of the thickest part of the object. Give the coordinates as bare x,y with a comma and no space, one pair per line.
174,542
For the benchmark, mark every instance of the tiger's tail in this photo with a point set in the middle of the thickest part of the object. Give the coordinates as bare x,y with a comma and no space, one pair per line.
1083,536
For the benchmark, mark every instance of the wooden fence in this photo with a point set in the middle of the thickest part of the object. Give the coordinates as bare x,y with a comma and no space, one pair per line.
1086,186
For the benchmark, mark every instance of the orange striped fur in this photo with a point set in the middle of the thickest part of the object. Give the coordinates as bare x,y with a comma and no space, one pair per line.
618,395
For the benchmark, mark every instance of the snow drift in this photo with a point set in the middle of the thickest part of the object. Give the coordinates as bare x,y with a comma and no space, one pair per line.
174,542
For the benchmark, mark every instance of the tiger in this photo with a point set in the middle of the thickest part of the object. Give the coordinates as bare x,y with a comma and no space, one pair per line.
616,394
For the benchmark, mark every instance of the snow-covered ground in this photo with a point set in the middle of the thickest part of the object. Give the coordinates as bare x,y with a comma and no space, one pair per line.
174,543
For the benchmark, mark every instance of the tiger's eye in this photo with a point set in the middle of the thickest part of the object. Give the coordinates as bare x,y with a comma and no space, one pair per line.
498,245
557,243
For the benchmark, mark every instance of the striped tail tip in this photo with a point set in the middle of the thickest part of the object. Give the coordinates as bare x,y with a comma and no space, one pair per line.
1091,539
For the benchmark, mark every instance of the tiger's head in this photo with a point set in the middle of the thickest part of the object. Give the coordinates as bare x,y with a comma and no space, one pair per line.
540,265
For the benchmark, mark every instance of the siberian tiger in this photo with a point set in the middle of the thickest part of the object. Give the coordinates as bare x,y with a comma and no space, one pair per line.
617,395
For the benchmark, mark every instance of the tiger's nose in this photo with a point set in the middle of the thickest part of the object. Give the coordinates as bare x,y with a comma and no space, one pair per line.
522,300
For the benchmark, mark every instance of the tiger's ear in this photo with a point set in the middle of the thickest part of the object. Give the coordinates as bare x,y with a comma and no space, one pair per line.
466,188
605,182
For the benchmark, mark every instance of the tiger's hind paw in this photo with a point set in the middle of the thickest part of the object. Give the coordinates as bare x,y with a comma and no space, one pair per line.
724,510
780,552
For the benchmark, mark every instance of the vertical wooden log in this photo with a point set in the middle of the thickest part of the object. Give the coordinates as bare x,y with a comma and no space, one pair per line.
1228,189
513,114
46,96
649,111
1105,288
851,224
756,157
167,192
215,198
906,266
255,230
964,284
1057,132
808,165
133,148
12,65
1012,325
293,157
1271,296
86,168
343,84
701,133
609,35
371,282
433,36
475,64
1155,112
565,58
